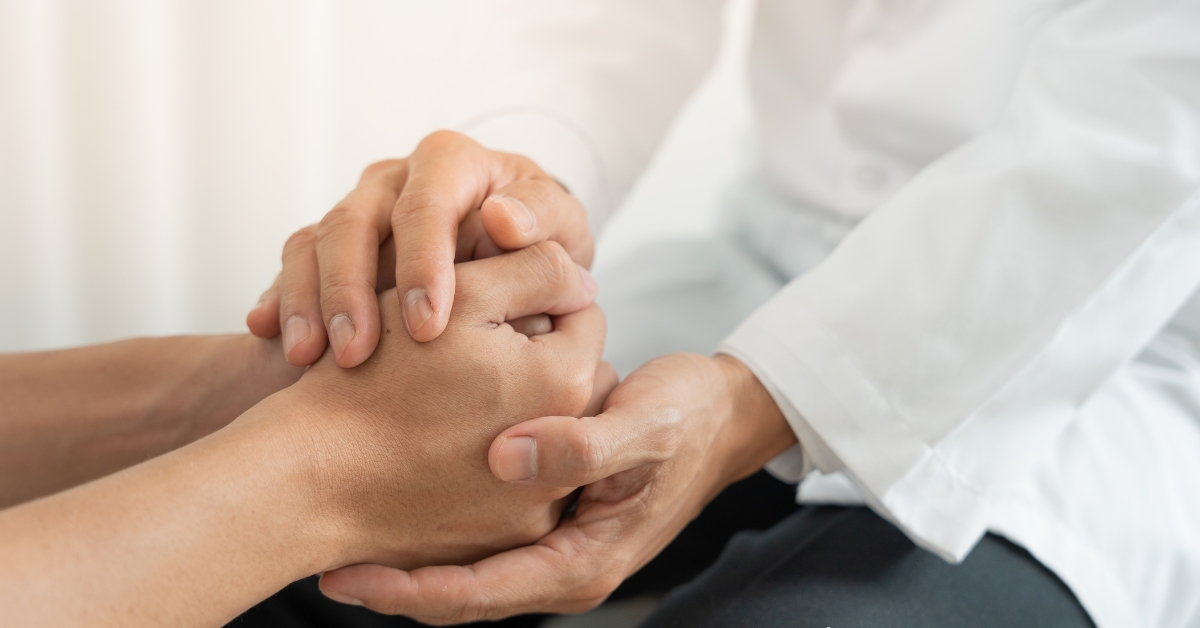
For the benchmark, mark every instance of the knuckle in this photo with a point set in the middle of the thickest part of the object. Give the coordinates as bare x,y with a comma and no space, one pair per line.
553,250
415,205
416,246
577,389
552,261
443,141
337,281
339,219
294,299
382,167
585,456
301,240
668,438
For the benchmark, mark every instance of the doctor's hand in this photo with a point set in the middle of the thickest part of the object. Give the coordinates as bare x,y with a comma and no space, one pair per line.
671,437
404,226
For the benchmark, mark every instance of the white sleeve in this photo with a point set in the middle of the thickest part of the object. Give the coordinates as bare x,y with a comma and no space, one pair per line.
587,88
943,346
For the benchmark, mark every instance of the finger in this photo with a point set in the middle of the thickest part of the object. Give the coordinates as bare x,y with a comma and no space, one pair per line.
449,176
385,278
566,359
566,369
606,380
263,319
534,325
572,569
540,279
348,242
561,573
473,242
299,300
536,209
566,451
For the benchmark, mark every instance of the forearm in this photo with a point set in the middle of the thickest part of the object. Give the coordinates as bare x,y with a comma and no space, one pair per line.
73,415
191,538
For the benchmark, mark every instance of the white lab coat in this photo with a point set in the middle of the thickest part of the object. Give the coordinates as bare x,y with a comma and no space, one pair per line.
1009,189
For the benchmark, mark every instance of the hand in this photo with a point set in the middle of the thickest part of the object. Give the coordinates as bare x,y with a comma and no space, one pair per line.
400,442
451,200
673,435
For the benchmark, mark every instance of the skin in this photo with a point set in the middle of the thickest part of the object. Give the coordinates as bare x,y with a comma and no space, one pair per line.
385,463
672,436
404,226
74,415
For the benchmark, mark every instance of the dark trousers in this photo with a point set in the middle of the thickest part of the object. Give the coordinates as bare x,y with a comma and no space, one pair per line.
785,566
833,566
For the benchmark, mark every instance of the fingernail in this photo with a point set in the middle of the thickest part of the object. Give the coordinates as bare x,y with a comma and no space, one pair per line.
589,282
417,309
519,212
342,597
516,459
261,300
295,331
341,332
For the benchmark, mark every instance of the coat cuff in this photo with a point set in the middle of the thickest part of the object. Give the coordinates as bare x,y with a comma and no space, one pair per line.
810,451
895,472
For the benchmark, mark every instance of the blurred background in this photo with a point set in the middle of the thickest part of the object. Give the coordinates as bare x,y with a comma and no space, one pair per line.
155,154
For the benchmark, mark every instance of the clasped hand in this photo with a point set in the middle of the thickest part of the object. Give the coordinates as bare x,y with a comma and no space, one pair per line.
664,443
398,446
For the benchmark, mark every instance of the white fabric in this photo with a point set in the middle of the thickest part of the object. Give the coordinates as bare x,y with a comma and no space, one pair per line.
1029,173
156,154
685,295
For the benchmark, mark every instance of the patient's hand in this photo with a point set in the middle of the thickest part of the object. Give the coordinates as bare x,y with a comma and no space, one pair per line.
384,463
400,444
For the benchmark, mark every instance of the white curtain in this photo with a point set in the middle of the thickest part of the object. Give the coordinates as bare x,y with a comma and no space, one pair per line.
155,154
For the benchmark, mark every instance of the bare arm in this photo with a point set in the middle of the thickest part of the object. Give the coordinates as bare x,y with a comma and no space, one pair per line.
185,539
384,463
74,415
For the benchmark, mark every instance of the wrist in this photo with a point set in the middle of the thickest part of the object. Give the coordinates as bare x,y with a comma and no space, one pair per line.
755,428
235,373
262,365
339,474
282,432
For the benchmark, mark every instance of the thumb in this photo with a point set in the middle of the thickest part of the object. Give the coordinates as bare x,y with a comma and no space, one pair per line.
566,451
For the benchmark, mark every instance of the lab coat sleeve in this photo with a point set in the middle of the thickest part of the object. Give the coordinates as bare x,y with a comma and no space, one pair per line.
587,89
942,347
